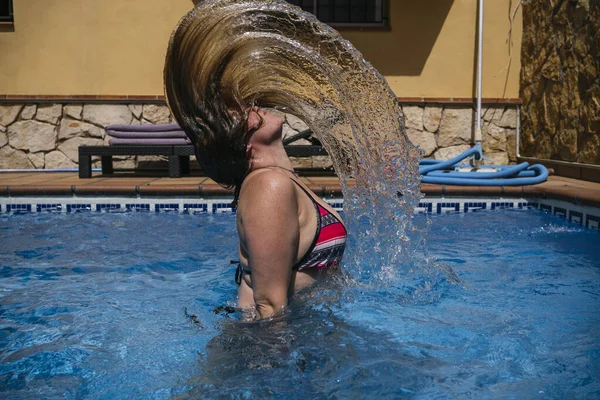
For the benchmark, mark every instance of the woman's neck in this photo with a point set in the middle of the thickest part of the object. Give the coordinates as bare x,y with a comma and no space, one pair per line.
271,156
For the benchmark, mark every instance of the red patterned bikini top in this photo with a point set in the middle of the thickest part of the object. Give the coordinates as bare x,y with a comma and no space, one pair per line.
329,243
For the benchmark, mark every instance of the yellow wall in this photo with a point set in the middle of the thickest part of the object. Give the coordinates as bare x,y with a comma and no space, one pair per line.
116,47
430,50
112,47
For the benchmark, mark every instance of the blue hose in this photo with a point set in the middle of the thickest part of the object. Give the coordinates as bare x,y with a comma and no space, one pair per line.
445,173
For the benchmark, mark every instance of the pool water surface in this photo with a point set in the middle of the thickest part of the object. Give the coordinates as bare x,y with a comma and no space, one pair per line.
502,304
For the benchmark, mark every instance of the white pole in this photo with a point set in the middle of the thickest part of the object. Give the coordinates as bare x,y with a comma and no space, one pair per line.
479,73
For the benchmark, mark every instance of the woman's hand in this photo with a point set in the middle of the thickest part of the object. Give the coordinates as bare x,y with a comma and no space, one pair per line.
269,233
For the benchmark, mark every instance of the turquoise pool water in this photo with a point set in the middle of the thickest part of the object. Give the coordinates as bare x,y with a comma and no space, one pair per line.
502,304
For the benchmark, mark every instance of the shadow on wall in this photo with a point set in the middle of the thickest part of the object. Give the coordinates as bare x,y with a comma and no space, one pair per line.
405,47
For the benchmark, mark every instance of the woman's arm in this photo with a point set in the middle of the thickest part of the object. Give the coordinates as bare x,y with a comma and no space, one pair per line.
269,233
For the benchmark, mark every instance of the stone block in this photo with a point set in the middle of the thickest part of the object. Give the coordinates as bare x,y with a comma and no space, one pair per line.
495,158
28,111
32,135
8,114
552,69
413,117
456,127
301,162
566,144
295,123
448,153
149,162
128,162
37,159
107,114
493,138
509,118
156,114
287,131
321,162
70,147
14,159
70,128
3,139
432,116
74,111
492,114
425,140
136,110
589,150
49,113
57,159
542,145
276,112
511,145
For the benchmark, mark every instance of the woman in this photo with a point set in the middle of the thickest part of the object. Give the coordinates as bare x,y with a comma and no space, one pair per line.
288,236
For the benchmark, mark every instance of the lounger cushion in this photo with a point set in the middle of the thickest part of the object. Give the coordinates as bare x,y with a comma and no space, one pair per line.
163,141
145,135
144,128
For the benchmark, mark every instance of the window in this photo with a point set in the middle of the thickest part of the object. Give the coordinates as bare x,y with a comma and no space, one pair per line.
349,13
6,11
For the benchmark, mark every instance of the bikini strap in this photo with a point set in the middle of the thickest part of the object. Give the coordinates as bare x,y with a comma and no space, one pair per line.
305,191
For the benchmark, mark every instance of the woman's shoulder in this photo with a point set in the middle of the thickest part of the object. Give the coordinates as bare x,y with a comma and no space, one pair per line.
267,183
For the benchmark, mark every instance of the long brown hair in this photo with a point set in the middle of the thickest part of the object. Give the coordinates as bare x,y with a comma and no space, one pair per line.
211,114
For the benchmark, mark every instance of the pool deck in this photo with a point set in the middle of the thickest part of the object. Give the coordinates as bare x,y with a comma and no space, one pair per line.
141,184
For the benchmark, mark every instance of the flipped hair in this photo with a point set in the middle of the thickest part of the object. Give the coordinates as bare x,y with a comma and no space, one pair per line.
210,113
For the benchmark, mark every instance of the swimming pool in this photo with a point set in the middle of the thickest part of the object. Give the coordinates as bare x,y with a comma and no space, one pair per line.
502,304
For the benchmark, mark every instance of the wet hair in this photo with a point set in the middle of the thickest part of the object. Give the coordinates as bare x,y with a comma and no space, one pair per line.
210,113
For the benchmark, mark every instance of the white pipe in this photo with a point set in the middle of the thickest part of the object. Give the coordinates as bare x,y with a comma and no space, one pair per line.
479,71
518,136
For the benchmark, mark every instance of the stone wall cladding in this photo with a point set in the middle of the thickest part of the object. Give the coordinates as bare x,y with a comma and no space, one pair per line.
560,80
445,131
47,136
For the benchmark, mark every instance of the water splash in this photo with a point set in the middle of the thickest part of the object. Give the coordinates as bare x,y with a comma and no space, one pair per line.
280,56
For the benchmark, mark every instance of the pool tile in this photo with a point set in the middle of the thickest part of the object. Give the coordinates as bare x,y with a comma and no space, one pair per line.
18,208
560,212
49,207
576,217
78,207
446,207
474,205
220,208
593,221
166,207
195,208
107,207
138,207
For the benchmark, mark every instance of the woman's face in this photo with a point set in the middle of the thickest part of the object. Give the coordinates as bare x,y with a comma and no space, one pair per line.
264,126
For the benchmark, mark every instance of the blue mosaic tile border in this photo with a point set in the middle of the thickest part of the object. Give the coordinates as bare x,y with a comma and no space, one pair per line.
195,208
79,208
222,208
19,208
584,216
49,207
166,207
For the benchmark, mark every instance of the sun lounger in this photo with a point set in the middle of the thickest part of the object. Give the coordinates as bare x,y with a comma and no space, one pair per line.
140,140
163,140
